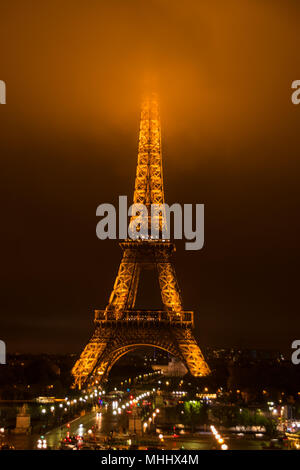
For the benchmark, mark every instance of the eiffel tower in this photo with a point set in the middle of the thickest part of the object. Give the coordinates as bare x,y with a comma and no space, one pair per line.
121,328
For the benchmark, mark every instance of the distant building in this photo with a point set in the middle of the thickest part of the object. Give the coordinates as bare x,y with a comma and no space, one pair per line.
174,368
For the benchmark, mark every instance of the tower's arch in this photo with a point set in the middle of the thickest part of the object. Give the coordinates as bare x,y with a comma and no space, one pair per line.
105,364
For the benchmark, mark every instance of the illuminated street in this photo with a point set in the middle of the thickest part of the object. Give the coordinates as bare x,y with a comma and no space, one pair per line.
108,426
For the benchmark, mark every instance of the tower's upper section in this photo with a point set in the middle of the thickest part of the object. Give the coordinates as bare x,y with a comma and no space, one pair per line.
149,176
148,188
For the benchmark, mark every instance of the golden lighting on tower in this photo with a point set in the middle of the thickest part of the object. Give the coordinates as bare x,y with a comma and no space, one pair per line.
120,328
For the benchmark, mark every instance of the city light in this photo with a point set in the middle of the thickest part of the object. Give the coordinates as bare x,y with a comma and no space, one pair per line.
42,444
218,438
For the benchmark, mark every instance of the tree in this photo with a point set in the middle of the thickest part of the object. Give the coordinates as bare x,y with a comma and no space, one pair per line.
195,412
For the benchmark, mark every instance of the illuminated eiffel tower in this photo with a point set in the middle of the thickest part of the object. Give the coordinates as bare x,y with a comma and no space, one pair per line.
121,328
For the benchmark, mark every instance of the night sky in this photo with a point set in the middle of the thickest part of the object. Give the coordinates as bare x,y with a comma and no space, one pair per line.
75,71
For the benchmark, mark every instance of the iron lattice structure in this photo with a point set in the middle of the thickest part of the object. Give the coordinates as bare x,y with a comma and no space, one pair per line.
120,328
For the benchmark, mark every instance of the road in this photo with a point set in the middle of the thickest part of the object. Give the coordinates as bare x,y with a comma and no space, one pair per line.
80,426
105,423
102,424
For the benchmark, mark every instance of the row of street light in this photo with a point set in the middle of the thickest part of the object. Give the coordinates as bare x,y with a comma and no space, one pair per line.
219,438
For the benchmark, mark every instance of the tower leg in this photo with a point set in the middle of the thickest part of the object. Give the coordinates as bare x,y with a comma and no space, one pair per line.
89,358
125,287
170,293
191,352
